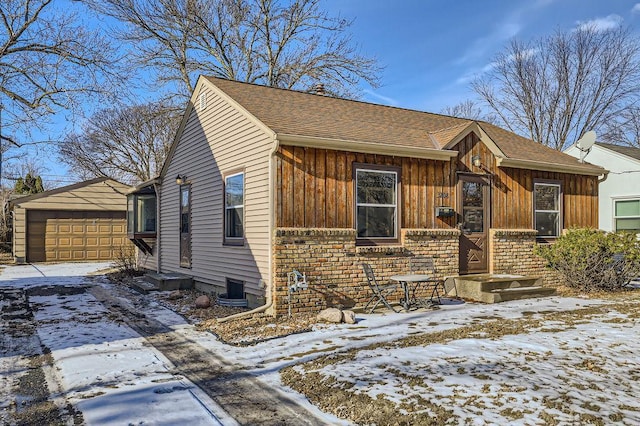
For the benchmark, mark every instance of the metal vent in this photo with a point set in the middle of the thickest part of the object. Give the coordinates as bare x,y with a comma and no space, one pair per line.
203,101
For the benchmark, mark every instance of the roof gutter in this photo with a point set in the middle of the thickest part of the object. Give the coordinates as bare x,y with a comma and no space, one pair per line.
366,147
551,167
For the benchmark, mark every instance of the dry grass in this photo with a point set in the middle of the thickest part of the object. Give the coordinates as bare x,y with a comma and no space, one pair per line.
337,398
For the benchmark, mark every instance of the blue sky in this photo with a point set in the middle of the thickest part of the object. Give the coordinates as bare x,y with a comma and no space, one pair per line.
432,48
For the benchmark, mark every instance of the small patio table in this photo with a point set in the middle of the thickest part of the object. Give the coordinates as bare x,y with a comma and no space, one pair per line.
406,281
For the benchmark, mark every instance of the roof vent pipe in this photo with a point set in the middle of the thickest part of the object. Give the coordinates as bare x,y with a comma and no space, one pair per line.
318,89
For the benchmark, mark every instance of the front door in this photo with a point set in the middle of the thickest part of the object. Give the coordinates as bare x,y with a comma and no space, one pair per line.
185,226
473,209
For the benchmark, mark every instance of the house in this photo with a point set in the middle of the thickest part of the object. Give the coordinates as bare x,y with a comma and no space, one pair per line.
619,203
85,221
263,181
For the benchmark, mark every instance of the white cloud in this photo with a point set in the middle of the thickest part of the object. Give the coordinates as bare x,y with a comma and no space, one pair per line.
476,72
602,24
635,9
385,99
509,27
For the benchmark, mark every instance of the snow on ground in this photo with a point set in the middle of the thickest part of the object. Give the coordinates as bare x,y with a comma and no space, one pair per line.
104,367
114,379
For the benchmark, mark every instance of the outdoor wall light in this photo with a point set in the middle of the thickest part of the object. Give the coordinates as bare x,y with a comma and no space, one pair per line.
181,179
475,160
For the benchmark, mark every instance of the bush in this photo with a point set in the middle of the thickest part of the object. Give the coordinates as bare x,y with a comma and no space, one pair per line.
126,260
591,260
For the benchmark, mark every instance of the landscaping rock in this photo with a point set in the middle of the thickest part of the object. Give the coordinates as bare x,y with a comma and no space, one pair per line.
203,302
349,317
333,315
174,295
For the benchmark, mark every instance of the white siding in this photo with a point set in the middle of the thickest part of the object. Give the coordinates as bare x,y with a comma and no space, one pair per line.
622,182
217,141
148,261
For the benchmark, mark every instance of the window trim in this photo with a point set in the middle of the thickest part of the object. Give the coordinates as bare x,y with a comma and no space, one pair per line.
549,182
133,216
234,241
373,241
187,264
615,218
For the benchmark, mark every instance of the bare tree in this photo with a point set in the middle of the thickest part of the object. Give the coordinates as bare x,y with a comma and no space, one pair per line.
48,62
282,43
555,89
128,144
624,129
470,110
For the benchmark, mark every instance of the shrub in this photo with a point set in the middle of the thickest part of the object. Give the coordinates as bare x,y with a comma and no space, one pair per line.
590,260
126,260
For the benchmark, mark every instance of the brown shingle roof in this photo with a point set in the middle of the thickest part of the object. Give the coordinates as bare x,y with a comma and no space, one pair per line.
309,115
444,136
305,114
629,151
517,147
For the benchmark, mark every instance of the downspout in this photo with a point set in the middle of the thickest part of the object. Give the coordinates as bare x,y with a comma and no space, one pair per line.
156,188
269,284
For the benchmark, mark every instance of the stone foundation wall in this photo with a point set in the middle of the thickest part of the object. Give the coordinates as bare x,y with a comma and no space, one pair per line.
332,264
511,252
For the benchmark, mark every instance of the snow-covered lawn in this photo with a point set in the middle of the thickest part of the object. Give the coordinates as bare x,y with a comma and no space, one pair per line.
541,361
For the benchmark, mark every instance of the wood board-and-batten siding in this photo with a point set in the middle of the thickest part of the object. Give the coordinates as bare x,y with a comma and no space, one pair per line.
217,141
512,190
315,189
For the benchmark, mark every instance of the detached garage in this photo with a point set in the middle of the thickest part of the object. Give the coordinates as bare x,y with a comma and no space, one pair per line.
81,222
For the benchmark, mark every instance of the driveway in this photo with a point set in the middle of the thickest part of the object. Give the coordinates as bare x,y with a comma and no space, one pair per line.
78,348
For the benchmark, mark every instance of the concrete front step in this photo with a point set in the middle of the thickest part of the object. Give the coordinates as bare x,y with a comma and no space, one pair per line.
494,288
504,295
167,281
143,286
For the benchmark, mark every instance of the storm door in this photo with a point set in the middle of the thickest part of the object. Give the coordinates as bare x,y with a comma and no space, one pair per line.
473,209
185,226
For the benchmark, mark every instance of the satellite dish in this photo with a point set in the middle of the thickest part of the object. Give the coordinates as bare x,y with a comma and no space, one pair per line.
585,143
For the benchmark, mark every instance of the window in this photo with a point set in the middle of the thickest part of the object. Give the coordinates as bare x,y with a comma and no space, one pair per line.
546,202
146,213
377,204
234,208
235,289
185,226
627,215
141,215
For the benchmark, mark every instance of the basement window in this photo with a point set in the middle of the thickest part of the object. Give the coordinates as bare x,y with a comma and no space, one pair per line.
235,289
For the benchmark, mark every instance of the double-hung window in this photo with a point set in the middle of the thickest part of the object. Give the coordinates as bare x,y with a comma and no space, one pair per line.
234,208
627,215
547,209
376,203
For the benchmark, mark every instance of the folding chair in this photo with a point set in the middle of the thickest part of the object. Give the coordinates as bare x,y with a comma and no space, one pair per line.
426,265
380,292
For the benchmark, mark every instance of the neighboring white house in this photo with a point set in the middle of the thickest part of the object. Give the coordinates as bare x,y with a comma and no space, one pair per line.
619,193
